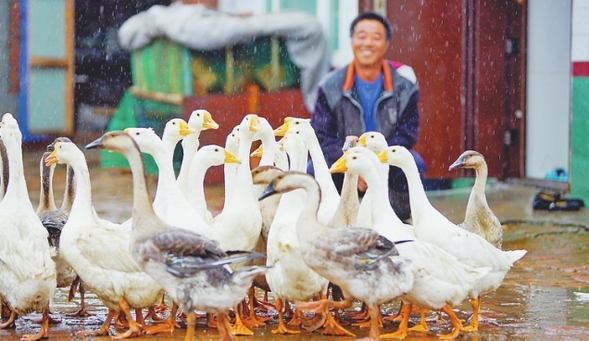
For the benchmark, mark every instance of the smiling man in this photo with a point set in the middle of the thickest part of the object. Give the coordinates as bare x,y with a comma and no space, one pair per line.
370,94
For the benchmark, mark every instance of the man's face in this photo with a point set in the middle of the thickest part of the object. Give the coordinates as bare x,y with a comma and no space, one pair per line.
369,42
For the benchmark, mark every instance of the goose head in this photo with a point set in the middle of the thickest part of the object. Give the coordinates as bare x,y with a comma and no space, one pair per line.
397,156
63,151
292,123
469,159
201,119
147,140
117,141
249,126
176,129
374,141
355,160
288,181
216,155
9,131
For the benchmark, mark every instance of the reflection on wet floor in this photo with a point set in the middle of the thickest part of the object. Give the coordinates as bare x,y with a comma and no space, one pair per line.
538,300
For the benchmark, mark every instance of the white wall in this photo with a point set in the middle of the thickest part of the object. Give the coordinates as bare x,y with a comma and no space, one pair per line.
580,48
549,86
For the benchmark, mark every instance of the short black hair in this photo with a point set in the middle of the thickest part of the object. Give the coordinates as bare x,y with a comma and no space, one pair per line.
373,16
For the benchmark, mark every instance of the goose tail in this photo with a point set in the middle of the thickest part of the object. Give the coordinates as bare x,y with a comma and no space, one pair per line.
515,255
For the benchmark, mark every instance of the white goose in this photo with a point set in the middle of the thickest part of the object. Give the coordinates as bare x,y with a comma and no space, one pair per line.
330,195
441,281
27,272
289,277
98,249
479,218
364,264
169,203
199,120
189,266
239,225
432,226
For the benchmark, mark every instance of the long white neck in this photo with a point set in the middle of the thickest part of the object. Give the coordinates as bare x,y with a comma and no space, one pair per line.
196,195
82,205
322,174
17,186
384,219
189,146
269,151
420,204
166,181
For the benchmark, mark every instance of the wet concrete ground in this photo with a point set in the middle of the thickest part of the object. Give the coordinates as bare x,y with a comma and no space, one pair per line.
539,300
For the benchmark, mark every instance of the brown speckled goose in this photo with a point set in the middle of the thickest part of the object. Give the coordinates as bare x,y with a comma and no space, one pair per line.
364,264
479,218
190,267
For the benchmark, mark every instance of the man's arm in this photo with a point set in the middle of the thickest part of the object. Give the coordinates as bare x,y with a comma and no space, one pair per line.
408,125
324,121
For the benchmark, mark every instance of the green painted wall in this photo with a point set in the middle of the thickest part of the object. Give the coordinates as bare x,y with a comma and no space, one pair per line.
579,175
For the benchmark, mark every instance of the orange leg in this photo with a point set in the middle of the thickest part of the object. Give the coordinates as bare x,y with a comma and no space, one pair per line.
43,333
281,326
103,329
134,327
252,320
474,320
224,327
454,320
238,327
368,323
401,332
331,327
190,325
422,326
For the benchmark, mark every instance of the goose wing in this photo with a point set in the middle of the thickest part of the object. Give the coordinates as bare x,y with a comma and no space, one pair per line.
185,253
366,247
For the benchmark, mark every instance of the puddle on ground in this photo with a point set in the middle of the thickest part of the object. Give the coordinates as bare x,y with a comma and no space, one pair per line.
541,298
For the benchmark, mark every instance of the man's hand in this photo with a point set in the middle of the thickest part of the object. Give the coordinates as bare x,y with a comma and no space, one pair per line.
362,186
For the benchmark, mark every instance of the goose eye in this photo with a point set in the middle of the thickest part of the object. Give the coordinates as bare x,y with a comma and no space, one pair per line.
216,149
137,133
297,132
173,122
354,158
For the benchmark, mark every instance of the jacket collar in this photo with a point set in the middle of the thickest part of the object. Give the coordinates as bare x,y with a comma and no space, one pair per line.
387,77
